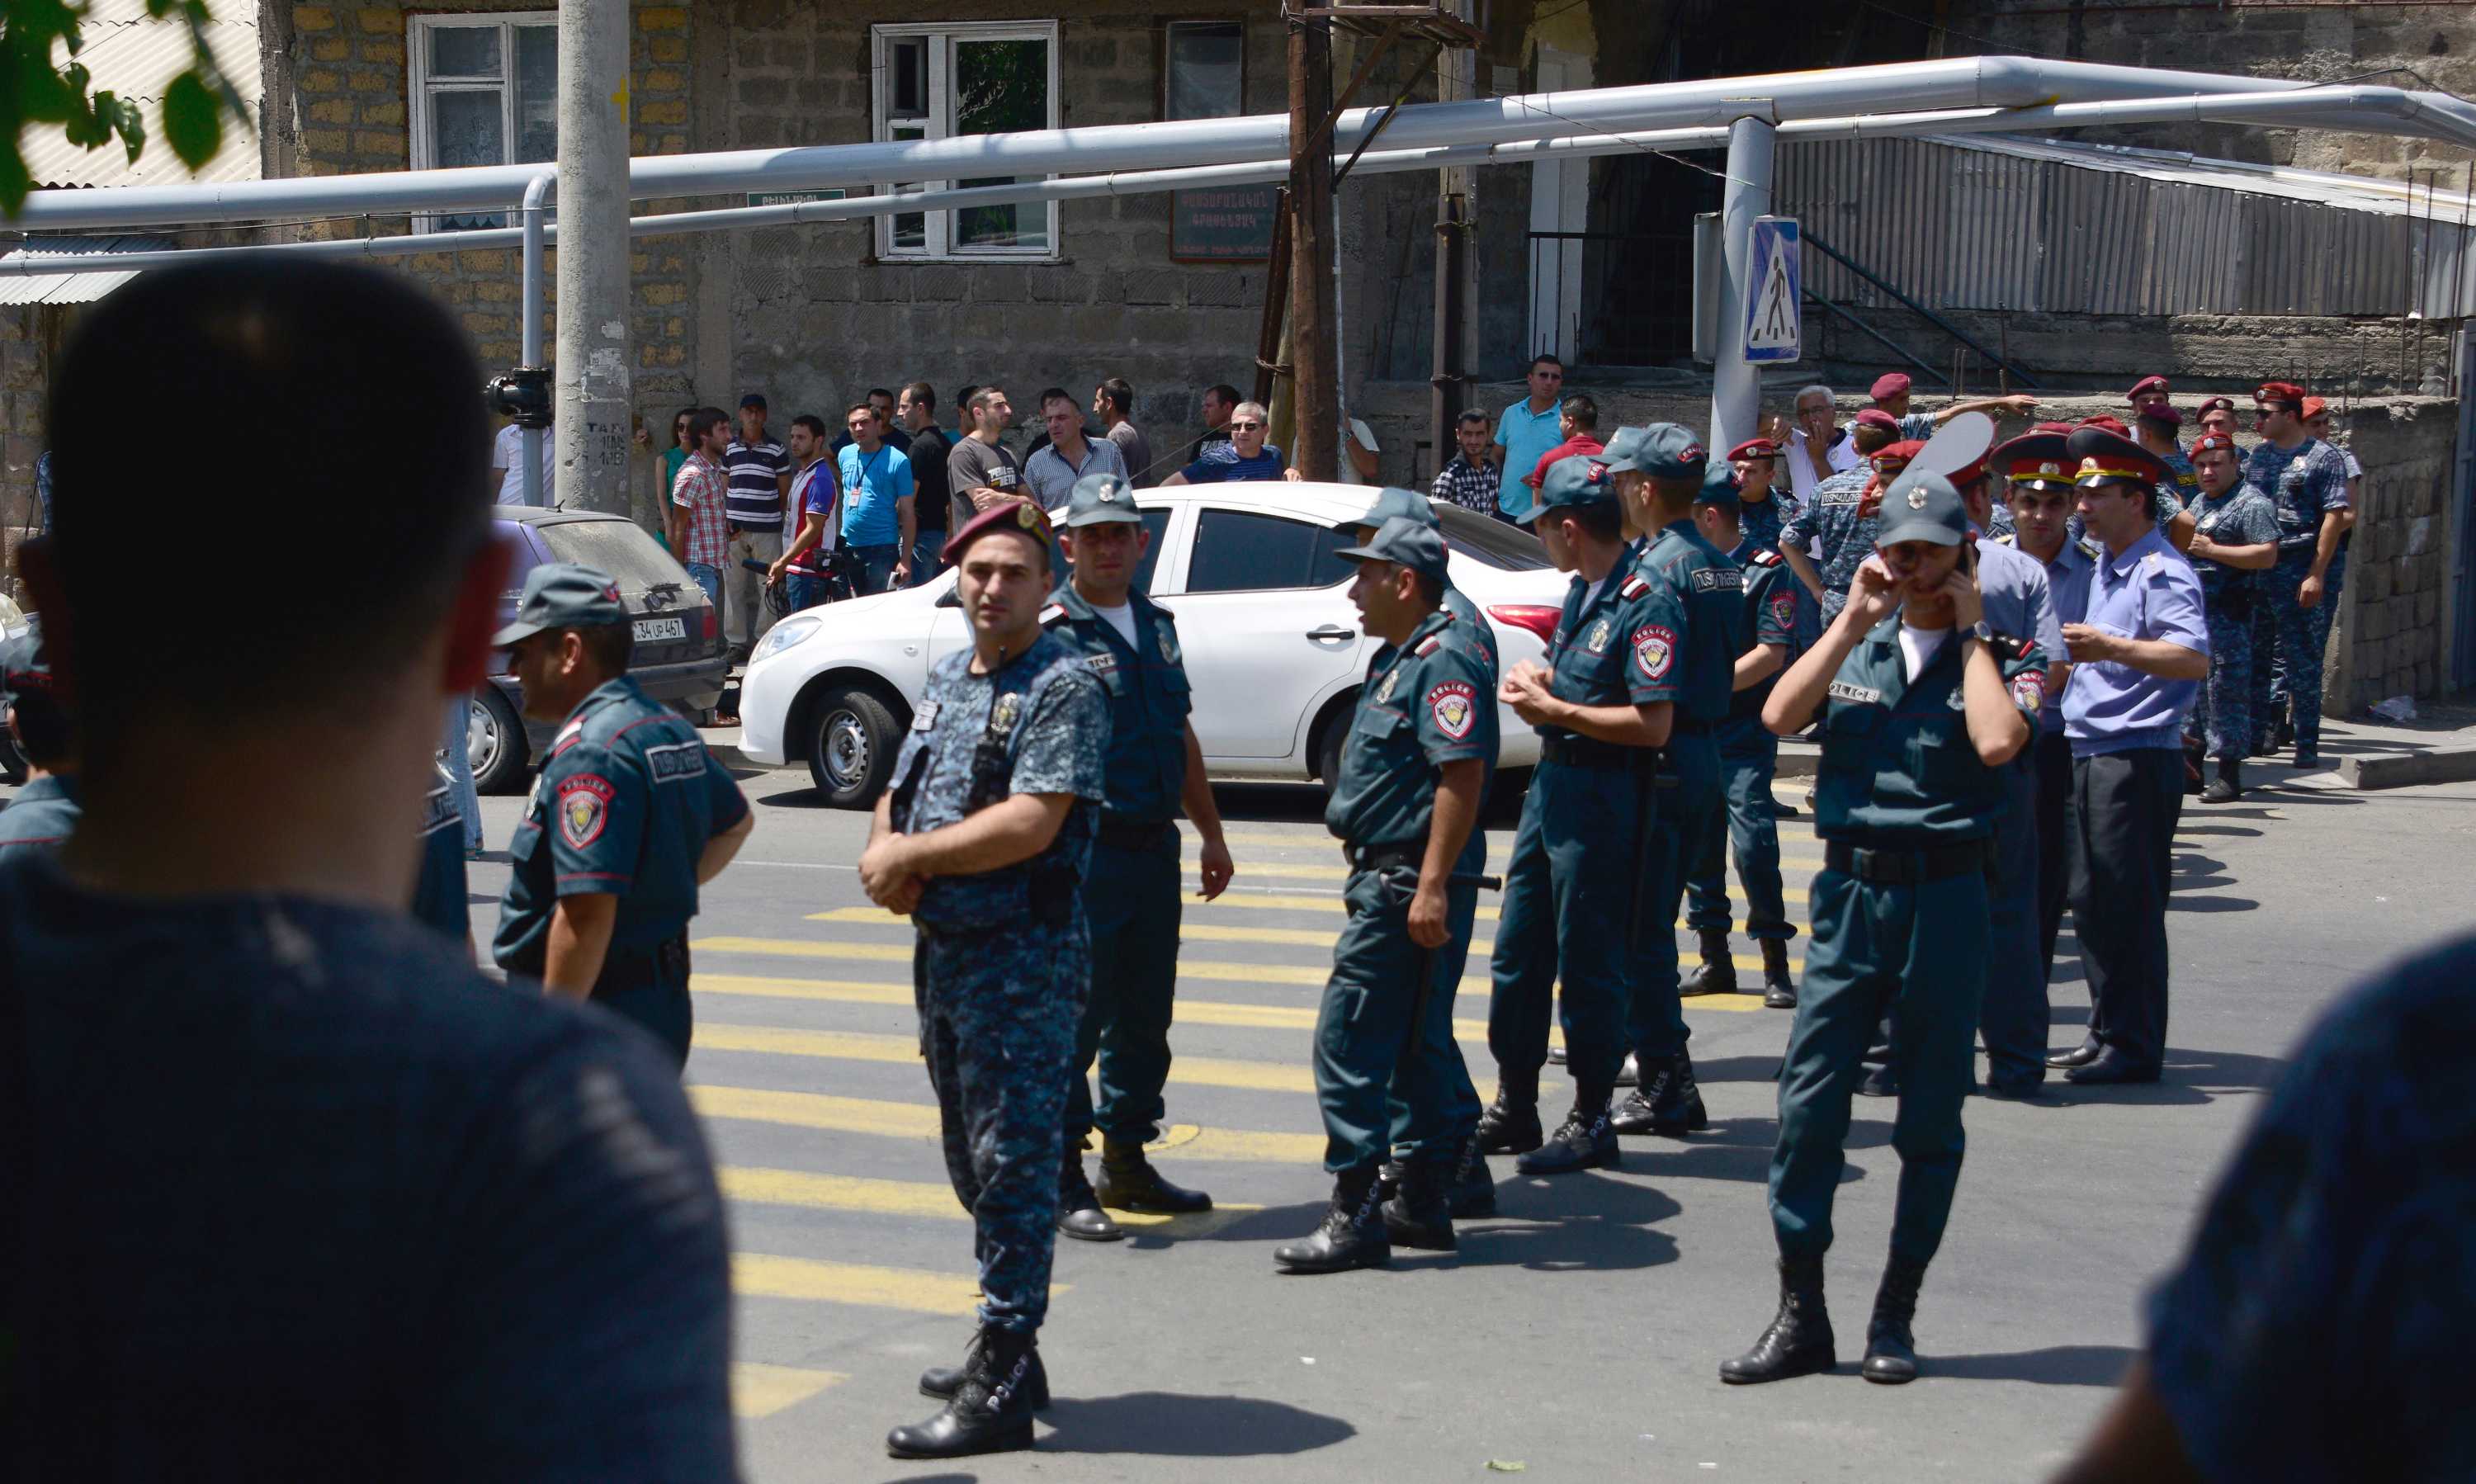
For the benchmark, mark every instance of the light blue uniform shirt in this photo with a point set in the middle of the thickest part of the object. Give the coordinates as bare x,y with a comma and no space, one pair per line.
2068,587
1523,436
2011,586
2149,592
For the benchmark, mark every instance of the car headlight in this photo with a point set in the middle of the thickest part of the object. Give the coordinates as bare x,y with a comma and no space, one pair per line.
783,635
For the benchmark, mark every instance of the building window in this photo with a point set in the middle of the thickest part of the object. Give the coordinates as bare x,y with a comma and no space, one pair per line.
934,82
484,91
1206,71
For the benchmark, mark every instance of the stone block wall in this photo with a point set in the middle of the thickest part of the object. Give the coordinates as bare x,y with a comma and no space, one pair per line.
2315,40
2393,629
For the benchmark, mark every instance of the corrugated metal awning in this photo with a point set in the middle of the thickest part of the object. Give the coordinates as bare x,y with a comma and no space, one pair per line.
69,287
136,58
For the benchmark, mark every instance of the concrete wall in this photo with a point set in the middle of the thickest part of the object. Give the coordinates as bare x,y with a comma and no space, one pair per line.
2311,40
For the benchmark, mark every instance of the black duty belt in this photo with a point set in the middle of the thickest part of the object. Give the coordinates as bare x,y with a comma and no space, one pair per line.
1908,868
1575,751
1682,726
1385,857
635,968
1121,832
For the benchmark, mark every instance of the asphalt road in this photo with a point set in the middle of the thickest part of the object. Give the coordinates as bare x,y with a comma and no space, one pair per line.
1576,1335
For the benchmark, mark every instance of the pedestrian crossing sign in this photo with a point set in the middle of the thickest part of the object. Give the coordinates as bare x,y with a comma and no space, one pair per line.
1774,283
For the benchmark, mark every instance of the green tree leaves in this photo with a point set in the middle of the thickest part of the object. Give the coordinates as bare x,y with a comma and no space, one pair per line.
38,92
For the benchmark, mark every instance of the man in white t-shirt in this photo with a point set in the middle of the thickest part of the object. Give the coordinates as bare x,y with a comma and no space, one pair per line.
1358,452
507,466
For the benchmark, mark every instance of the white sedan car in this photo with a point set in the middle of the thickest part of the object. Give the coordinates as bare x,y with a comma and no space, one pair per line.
1272,644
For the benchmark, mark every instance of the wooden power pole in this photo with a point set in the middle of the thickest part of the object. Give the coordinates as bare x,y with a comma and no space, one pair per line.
1313,354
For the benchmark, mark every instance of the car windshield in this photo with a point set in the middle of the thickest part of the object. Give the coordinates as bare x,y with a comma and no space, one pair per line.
617,547
1491,542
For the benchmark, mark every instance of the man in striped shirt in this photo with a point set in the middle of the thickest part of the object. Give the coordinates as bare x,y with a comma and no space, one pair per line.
699,501
760,484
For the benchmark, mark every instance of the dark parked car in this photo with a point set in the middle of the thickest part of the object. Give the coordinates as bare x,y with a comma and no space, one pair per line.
679,654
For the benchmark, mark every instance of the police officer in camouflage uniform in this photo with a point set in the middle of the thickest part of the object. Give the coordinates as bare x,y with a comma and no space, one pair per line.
1841,517
2234,540
1764,507
1684,654
1748,756
629,818
1568,894
984,841
1414,771
1130,893
1922,704
45,811
2306,480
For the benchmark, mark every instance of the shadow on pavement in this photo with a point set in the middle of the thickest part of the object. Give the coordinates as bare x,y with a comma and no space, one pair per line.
1567,1224
2186,901
801,798
2057,1365
1169,1425
934,1479
1272,1223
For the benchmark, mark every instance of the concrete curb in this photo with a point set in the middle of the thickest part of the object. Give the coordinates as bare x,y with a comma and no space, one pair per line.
2449,765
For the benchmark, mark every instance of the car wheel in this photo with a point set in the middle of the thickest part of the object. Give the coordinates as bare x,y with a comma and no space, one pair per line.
1336,729
851,748
495,743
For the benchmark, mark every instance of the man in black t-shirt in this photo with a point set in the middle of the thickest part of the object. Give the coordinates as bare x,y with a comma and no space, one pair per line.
931,489
293,1191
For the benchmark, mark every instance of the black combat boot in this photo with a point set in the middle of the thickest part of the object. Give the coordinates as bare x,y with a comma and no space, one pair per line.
2282,732
1473,1192
1668,1104
1718,974
942,1381
1510,1126
1890,1349
1779,990
1078,1209
1418,1214
990,1409
1351,1236
1584,1141
1128,1182
1797,1341
2228,785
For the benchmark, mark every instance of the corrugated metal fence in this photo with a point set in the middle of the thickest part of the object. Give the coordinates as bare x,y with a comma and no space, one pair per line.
2020,226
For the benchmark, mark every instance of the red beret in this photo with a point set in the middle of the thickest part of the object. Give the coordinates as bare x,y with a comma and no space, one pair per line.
1901,451
1876,417
1891,384
1013,515
2162,414
2113,425
2147,383
1754,448
2280,391
2219,404
2209,441
2051,428
2315,407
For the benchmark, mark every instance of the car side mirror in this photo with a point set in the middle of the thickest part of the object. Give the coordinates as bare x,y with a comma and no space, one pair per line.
950,598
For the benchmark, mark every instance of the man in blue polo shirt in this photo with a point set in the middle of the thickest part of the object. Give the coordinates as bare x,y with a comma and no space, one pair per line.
878,521
1525,432
2138,661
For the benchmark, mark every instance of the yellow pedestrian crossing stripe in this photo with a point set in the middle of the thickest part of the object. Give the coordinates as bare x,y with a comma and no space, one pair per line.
923,1198
761,1390
859,1046
909,1119
765,1275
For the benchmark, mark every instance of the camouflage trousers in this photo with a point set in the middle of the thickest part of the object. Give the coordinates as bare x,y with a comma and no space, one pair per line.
2222,714
998,1013
2289,679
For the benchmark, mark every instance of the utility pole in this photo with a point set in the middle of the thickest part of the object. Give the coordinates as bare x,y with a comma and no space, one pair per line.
1736,384
589,426
1312,352
1450,364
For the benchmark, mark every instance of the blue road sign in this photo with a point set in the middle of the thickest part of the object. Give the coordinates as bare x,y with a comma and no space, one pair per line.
1774,283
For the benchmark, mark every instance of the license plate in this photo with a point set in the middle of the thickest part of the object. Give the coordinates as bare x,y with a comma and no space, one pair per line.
651,629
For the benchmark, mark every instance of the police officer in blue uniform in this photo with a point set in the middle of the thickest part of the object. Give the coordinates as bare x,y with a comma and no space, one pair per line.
2016,598
1684,654
1569,888
2307,481
1923,705
2041,496
1748,756
629,817
45,811
1414,773
1473,1193
2236,539
1154,767
438,895
2137,657
982,841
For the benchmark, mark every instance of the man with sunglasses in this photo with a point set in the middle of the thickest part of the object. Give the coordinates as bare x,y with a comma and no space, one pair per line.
1244,457
1525,431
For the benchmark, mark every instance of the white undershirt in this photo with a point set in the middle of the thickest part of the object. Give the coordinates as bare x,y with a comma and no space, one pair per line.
1591,594
1920,646
1121,618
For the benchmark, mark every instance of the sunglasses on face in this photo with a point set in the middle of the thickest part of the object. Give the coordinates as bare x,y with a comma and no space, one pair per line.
1245,426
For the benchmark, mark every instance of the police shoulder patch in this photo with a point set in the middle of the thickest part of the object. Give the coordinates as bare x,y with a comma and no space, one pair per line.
1633,586
1712,580
2029,690
1860,695
584,808
1654,649
1454,706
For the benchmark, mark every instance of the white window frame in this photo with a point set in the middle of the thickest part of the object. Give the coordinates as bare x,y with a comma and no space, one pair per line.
1169,47
419,84
936,124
